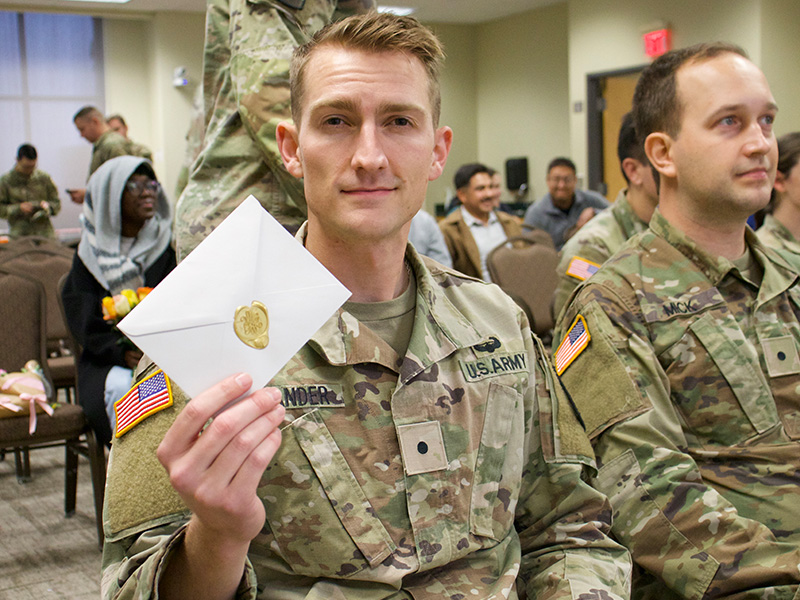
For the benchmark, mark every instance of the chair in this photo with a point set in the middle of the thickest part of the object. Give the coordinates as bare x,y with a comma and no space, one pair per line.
537,234
35,242
526,270
47,263
23,315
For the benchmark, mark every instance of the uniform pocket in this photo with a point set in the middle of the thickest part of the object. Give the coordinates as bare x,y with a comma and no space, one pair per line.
326,526
497,473
728,349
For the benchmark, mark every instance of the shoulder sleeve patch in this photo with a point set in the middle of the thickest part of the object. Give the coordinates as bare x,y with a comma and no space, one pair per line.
582,269
145,398
599,384
574,342
138,492
563,434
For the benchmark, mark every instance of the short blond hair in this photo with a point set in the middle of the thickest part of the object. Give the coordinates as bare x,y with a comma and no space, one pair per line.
373,32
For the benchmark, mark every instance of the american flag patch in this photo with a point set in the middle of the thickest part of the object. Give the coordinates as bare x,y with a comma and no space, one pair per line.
572,345
582,269
147,397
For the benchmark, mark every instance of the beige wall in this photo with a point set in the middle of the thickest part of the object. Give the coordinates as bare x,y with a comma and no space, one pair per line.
140,58
780,49
459,82
523,96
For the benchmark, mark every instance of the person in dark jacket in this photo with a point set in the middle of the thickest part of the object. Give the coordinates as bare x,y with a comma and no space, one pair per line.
125,244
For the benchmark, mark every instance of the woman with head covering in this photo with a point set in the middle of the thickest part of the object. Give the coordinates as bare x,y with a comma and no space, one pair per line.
125,244
781,228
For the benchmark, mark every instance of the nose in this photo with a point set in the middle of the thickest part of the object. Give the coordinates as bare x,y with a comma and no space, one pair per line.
759,141
369,154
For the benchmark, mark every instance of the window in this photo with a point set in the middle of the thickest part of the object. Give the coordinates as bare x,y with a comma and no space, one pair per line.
50,66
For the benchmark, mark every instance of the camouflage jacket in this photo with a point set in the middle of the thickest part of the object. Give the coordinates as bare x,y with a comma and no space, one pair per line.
16,188
774,234
454,472
110,145
248,46
141,150
689,385
594,244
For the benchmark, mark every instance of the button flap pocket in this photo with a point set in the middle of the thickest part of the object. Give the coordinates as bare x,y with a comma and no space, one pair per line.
342,489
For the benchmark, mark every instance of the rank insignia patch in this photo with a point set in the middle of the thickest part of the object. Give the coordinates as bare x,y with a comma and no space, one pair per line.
572,345
146,398
582,269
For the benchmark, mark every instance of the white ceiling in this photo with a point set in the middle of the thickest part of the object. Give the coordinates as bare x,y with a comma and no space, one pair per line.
432,11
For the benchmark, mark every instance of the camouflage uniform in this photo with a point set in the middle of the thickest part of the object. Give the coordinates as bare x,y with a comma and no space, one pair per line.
690,391
596,242
138,149
363,498
246,94
774,234
16,188
110,145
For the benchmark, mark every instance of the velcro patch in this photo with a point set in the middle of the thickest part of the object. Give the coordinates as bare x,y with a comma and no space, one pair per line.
582,269
318,395
572,345
150,395
422,447
494,365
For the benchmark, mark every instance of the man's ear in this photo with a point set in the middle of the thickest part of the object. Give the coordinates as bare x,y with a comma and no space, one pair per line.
286,136
631,168
658,147
780,182
443,139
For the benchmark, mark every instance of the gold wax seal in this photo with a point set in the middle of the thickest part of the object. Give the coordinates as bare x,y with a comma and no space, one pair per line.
251,324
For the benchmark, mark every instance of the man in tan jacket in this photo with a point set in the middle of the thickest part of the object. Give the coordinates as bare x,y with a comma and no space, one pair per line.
476,228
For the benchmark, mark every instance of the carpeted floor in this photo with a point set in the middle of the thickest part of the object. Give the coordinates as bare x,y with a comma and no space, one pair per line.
44,555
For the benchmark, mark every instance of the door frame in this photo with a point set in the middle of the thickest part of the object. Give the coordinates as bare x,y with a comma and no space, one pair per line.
594,123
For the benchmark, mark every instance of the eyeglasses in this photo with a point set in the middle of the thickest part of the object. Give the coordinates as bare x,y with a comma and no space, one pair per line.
138,188
557,179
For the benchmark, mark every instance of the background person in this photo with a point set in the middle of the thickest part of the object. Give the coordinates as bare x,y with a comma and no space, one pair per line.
117,123
682,353
245,95
475,228
427,238
28,197
126,224
106,144
781,228
564,209
599,239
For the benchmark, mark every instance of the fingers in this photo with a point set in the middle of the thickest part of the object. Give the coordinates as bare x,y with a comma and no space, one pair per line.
234,433
242,460
195,415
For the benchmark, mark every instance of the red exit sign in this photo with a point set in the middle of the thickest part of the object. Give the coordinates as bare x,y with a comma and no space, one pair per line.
657,42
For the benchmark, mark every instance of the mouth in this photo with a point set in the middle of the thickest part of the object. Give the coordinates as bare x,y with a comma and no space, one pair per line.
368,191
756,174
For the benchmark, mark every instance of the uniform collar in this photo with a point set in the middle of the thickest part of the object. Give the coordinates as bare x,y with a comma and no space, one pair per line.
470,220
439,327
778,274
624,215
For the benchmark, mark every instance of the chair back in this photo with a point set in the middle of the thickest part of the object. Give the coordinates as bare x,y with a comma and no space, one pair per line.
47,267
35,242
23,319
538,235
526,271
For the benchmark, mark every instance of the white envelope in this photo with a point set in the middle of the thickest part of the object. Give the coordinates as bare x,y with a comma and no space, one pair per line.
186,324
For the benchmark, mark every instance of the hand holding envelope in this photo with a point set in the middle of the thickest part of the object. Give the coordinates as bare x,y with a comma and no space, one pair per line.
246,299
